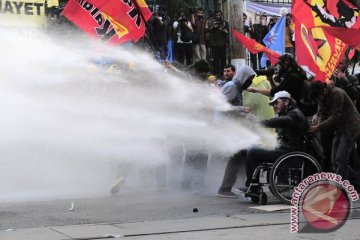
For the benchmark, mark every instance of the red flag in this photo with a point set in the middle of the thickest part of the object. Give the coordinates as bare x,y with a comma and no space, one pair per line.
317,49
144,9
336,13
349,36
255,47
111,21
129,13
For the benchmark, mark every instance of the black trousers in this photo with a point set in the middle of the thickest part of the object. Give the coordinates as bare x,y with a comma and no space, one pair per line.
219,56
185,52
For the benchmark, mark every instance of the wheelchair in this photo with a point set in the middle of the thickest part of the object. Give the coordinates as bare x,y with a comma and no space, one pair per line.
285,173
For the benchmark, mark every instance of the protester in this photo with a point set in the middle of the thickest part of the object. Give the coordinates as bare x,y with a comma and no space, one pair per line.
241,81
232,90
259,32
219,38
200,26
345,81
289,35
342,79
337,111
184,32
249,32
159,24
260,29
272,22
259,104
248,28
229,72
290,76
291,127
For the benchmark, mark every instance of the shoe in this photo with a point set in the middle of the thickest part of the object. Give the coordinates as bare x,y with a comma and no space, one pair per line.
250,190
243,189
227,194
115,188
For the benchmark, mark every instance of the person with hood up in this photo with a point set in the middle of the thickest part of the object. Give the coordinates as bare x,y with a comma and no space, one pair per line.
233,89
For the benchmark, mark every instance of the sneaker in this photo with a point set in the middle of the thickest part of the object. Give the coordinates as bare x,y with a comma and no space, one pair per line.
115,188
250,190
227,194
243,189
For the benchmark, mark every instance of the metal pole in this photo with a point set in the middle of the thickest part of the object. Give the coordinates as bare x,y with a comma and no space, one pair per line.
356,58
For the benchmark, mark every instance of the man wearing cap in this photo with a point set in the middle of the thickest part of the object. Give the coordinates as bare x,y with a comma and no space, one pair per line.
290,125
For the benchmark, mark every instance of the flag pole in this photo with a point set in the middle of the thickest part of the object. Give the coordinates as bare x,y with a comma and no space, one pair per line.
149,30
356,57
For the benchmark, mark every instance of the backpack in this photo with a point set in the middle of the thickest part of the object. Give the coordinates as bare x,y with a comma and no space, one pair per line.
186,35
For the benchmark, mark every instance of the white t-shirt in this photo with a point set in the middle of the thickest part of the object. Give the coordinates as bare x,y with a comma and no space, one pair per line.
175,25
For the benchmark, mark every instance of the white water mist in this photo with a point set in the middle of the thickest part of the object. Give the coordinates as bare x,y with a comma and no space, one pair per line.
65,123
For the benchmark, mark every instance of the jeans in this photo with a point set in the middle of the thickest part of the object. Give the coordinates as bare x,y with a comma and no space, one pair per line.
232,169
253,157
194,171
326,140
200,51
342,150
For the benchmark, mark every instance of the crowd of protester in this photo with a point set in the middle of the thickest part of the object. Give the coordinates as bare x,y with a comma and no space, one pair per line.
284,96
302,106
194,37
296,105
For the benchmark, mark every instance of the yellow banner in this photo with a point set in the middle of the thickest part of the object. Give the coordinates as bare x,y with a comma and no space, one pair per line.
25,12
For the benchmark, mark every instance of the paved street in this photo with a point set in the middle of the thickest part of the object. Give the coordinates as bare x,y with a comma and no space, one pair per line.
154,215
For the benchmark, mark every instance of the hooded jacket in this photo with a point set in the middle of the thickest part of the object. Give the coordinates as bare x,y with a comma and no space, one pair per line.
232,90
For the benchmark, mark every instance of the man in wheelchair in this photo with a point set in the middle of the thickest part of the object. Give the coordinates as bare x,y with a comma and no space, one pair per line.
291,127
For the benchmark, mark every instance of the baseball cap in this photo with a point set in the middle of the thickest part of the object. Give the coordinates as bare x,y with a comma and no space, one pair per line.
280,94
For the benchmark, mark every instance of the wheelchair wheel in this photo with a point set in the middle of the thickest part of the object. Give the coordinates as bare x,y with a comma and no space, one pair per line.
288,171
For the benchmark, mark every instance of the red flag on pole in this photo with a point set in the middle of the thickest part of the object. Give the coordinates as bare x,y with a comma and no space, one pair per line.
144,9
111,21
130,13
316,48
255,47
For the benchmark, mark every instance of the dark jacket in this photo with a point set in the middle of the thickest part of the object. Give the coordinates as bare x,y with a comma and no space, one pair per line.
339,112
259,33
291,128
293,83
349,84
218,37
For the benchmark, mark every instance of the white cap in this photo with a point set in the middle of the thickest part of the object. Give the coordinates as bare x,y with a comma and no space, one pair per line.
280,94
